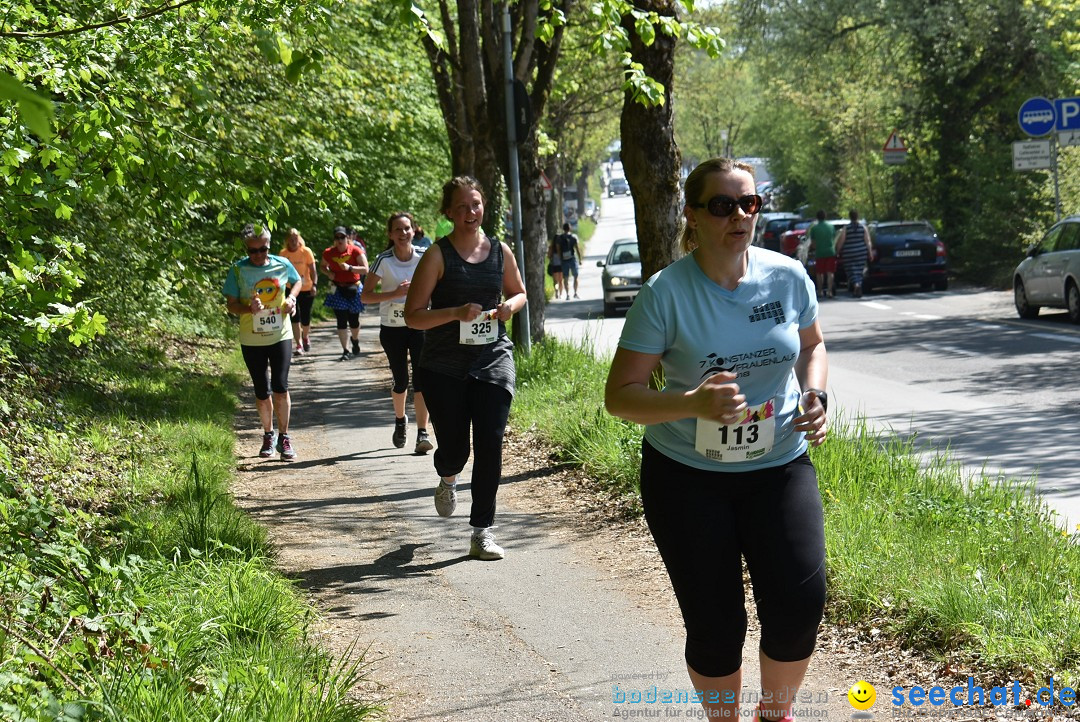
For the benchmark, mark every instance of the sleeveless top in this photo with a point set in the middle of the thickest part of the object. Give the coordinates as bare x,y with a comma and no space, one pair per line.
855,250
462,283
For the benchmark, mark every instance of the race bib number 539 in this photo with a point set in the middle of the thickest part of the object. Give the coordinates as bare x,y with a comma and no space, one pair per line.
484,329
749,438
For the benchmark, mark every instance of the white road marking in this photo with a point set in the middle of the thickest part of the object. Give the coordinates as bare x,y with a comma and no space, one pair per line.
1058,337
881,306
938,348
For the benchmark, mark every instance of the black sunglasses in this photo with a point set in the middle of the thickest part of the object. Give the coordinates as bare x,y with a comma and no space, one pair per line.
724,206
261,249
339,237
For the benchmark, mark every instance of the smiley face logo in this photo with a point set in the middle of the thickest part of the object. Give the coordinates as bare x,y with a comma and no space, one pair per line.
862,695
267,290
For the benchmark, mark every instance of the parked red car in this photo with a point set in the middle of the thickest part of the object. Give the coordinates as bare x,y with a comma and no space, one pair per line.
790,239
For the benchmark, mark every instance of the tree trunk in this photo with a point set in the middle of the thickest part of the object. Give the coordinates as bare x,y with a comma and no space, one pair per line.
650,157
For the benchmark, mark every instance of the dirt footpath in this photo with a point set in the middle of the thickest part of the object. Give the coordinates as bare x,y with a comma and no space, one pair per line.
579,613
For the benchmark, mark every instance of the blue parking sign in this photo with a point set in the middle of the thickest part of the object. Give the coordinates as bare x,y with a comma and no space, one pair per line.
1037,117
1067,111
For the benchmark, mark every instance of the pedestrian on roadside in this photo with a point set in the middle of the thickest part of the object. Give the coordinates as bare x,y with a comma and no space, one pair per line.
570,251
555,267
725,473
822,236
854,247
392,272
345,264
304,261
464,290
255,291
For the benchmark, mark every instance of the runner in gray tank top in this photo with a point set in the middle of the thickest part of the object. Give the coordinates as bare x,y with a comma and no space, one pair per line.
467,365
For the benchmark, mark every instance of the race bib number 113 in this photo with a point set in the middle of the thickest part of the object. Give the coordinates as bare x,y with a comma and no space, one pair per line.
751,437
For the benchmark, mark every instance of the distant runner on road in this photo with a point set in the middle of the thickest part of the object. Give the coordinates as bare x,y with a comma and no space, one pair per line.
467,366
345,263
255,291
392,272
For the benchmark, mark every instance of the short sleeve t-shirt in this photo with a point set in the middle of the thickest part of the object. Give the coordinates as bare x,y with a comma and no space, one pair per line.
352,256
822,235
700,328
303,260
392,272
244,280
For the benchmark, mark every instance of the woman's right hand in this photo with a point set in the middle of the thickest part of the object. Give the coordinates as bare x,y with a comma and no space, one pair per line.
403,289
469,311
256,304
717,398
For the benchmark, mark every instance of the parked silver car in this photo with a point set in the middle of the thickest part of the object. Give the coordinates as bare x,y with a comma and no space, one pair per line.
1050,275
622,275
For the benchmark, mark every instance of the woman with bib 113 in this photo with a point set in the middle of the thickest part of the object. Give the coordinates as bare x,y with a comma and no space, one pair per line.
725,473
392,273
464,290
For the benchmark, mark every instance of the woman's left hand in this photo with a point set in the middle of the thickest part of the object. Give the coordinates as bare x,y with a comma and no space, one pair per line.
814,421
503,312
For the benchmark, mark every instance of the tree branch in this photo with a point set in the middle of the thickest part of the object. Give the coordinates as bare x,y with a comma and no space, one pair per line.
72,31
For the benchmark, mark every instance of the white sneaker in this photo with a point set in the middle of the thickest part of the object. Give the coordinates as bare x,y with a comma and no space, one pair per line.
483,546
445,498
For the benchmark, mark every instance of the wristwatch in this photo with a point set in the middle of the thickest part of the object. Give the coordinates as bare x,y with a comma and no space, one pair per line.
821,395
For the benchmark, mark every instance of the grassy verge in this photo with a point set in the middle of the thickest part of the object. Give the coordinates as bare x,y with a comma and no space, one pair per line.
132,588
948,565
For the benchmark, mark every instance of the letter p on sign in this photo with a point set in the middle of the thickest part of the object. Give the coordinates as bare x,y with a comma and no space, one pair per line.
1068,113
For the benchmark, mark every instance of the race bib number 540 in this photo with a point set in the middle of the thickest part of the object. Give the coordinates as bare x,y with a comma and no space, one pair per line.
482,330
267,320
751,437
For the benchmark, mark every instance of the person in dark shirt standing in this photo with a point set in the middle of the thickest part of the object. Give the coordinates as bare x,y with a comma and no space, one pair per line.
570,250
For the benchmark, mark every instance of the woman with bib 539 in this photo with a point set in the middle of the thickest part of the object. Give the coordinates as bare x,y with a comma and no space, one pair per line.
392,273
724,471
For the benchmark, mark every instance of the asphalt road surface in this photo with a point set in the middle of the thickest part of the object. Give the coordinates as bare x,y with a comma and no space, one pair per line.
957,369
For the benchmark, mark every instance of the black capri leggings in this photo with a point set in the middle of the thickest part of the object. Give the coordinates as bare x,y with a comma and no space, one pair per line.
347,319
277,357
705,521
304,303
402,345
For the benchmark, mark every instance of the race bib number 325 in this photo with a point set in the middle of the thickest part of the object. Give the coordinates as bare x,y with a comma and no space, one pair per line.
751,437
484,329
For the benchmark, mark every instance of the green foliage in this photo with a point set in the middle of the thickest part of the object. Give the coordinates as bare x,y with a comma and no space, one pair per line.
132,587
173,127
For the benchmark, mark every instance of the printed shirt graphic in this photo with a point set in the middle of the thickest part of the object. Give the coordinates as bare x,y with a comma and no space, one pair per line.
700,328
392,272
245,279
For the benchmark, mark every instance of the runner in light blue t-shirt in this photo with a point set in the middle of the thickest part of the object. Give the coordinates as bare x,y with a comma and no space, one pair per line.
725,474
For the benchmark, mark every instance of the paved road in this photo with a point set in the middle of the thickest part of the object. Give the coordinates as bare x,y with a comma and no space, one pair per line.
957,370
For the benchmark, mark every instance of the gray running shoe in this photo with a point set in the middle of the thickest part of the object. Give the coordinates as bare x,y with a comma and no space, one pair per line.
483,546
445,498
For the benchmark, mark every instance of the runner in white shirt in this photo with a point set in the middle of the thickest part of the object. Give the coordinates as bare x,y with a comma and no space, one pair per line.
392,272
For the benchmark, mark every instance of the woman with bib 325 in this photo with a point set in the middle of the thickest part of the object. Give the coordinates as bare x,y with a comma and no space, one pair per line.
725,472
392,272
467,365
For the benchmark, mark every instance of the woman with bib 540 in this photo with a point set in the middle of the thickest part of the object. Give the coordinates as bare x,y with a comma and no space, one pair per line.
724,471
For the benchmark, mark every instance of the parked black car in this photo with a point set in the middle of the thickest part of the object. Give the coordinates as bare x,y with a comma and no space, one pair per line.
905,253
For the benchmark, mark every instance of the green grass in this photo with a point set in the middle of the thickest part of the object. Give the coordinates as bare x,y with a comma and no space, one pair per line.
947,564
132,587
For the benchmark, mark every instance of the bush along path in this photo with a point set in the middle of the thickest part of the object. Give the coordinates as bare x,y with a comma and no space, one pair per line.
131,587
